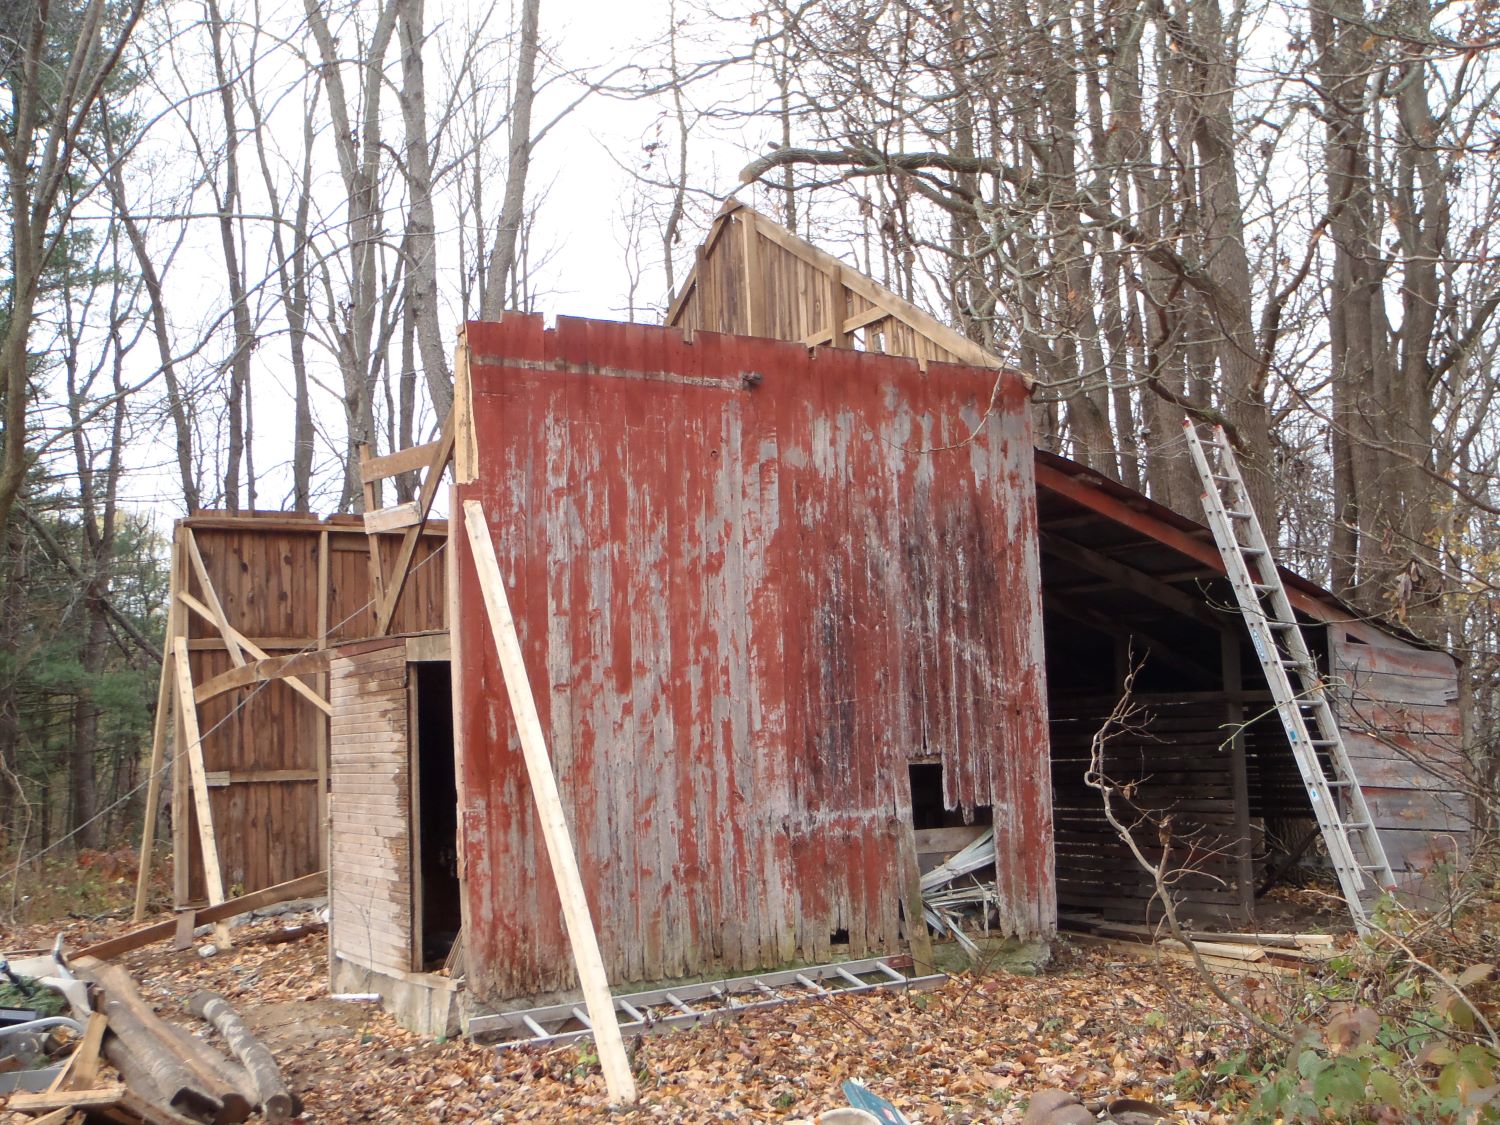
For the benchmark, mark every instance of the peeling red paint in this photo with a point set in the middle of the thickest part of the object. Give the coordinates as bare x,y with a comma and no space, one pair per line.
750,583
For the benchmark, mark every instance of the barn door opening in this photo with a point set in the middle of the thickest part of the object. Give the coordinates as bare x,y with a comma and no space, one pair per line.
434,824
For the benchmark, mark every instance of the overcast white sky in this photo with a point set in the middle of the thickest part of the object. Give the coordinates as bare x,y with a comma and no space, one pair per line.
580,179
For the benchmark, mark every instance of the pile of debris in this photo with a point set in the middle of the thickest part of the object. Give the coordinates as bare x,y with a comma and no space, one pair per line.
167,1074
953,897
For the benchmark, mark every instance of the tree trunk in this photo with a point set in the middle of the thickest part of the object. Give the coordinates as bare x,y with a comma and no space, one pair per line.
421,226
500,276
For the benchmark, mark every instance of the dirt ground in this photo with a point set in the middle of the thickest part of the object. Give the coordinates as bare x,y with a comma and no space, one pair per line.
971,1051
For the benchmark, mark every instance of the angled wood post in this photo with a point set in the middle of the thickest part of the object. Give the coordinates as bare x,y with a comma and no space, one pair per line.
440,453
211,597
187,711
181,846
371,485
576,915
258,653
160,731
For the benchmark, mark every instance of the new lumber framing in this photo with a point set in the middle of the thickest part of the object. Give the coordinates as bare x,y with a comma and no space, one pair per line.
576,915
160,730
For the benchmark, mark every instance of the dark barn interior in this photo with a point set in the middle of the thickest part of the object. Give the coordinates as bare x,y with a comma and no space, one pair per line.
1202,773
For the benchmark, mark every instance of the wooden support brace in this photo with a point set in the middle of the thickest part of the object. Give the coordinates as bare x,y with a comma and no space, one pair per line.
385,520
304,887
838,336
159,729
386,604
407,460
188,716
267,668
211,599
187,922
371,503
576,915
259,653
320,745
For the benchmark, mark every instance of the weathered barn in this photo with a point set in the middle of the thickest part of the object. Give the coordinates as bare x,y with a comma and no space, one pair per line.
795,614
755,584
1123,575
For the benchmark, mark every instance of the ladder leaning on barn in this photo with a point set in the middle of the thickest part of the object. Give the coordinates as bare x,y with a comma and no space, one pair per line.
1298,689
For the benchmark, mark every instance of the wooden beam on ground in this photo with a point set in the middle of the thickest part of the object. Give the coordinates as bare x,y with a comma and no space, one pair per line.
261,670
81,1071
576,914
305,887
259,653
386,605
211,598
70,1100
187,712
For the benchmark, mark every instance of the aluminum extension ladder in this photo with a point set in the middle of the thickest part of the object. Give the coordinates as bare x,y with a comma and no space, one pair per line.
1352,840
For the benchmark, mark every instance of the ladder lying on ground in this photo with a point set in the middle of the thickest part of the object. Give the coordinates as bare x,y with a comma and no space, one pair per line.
1352,840
688,1004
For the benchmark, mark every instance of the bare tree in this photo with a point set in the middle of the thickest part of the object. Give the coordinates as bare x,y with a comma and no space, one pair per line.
498,292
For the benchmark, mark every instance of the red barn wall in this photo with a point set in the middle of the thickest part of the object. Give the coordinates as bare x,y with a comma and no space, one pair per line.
750,582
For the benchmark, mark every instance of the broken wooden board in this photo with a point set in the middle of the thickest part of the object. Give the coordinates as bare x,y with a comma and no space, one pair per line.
114,1102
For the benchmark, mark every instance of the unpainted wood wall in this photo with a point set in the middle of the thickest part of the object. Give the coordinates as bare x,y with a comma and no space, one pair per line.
370,871
267,571
1398,708
754,278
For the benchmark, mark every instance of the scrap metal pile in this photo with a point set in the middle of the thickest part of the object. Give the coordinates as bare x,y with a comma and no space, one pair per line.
951,892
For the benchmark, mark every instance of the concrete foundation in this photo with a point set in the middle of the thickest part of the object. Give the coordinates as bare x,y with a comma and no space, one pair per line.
425,1003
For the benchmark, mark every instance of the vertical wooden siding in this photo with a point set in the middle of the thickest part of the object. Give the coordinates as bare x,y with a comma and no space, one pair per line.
265,569
1398,708
1175,760
370,876
750,583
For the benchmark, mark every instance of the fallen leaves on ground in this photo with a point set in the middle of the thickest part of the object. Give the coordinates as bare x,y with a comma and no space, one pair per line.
971,1051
